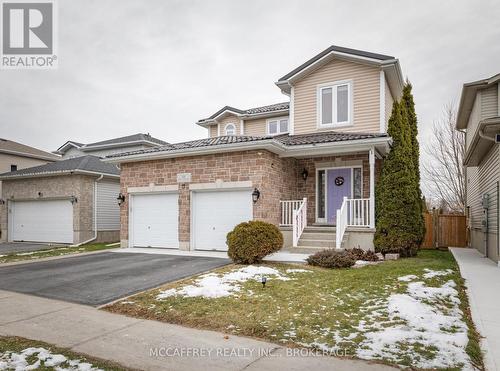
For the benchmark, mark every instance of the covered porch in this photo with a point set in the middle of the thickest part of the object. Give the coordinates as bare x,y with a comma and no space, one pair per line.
336,194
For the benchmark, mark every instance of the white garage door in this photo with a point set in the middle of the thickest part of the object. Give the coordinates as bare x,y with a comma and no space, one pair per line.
217,213
154,220
42,221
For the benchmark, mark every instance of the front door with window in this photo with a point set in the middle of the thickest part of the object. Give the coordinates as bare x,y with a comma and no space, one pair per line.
332,186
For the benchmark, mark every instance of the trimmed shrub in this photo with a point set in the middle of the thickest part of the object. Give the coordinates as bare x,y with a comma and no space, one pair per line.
250,242
360,254
331,259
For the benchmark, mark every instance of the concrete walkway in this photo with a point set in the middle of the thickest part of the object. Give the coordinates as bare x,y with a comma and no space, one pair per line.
150,345
482,277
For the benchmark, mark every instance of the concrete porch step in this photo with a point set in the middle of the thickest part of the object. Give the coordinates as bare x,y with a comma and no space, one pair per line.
329,236
320,229
317,243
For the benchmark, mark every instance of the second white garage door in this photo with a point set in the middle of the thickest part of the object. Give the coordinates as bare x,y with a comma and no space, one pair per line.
214,214
41,221
154,220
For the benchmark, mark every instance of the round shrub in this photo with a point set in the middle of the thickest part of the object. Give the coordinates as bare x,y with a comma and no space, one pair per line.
251,241
360,254
331,259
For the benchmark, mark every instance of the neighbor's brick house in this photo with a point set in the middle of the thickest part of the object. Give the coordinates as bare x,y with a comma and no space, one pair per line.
310,161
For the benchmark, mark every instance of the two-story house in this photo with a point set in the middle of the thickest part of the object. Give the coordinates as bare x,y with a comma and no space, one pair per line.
479,116
307,165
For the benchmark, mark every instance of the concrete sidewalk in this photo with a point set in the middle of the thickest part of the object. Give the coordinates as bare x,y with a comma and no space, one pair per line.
130,341
482,278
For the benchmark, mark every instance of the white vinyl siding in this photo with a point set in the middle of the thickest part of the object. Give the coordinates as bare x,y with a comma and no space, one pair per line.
108,211
474,197
474,118
41,221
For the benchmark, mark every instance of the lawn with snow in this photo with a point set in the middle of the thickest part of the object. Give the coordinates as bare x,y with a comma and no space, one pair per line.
410,312
23,354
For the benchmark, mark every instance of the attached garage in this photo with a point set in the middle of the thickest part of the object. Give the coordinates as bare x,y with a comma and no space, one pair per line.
154,220
215,213
42,221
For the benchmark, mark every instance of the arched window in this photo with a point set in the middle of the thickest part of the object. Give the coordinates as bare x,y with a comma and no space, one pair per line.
230,129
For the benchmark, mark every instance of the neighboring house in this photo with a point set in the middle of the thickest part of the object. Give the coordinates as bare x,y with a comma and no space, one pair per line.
17,156
310,162
479,116
69,201
108,147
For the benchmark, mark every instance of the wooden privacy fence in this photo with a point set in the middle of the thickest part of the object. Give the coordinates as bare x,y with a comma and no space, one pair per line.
445,230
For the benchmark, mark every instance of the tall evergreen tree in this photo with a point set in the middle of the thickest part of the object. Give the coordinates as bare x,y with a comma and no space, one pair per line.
396,191
407,100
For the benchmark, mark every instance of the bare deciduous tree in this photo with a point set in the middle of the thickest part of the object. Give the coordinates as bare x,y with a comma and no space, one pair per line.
444,172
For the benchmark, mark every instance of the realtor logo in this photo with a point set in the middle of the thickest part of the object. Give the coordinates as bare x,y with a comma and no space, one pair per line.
28,34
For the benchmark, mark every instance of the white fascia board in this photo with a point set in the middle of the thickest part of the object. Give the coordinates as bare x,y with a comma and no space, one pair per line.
113,145
338,147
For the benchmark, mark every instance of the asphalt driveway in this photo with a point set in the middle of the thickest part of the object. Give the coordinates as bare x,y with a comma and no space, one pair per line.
14,247
101,278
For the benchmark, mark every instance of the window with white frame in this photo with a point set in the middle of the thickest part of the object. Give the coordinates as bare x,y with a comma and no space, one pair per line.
277,126
230,129
334,104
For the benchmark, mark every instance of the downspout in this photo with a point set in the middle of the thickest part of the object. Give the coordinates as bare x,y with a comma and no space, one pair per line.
95,214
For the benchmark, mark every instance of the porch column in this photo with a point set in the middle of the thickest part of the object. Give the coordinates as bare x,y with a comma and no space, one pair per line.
371,157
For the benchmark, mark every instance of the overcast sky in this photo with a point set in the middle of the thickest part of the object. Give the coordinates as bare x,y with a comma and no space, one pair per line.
158,66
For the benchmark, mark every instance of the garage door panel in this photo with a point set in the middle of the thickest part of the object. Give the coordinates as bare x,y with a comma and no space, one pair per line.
217,213
42,221
154,220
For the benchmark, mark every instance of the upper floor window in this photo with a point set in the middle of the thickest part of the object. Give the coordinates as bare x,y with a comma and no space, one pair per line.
277,126
230,129
334,104
13,167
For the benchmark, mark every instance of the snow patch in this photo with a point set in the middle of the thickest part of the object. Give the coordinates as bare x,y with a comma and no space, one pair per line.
298,270
212,285
431,273
43,357
407,278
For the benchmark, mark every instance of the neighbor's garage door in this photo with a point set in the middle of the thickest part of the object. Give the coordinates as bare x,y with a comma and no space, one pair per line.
154,220
217,213
41,221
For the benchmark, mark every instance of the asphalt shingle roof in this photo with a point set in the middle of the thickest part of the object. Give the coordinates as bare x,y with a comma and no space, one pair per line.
287,140
83,163
128,138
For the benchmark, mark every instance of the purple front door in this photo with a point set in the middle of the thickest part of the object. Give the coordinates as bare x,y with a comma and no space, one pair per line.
338,186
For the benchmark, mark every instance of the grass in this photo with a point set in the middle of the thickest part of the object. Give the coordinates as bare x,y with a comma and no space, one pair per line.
322,309
52,251
18,344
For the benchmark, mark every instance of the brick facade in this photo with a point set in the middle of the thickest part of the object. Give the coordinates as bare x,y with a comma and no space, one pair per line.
276,178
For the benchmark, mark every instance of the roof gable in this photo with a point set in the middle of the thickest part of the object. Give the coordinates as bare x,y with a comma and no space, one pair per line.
18,149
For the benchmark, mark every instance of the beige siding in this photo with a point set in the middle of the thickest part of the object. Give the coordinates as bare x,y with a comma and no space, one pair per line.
255,127
213,131
483,179
489,102
366,92
474,118
388,104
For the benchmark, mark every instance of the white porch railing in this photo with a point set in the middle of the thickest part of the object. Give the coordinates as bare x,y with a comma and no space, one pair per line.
341,226
354,212
299,222
358,212
287,209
